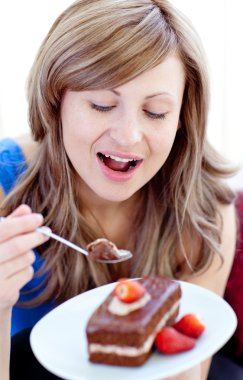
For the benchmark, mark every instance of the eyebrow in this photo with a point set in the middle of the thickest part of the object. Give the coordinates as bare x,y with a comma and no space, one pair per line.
147,97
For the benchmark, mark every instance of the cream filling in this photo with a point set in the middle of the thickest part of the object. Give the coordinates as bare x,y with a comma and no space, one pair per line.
121,308
134,351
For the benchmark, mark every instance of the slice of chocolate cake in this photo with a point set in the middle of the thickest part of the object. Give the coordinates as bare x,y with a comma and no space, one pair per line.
123,332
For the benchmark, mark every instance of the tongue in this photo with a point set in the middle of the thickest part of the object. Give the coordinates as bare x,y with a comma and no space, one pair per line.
116,165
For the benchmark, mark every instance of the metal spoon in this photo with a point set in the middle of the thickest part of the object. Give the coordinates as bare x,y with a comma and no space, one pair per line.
123,254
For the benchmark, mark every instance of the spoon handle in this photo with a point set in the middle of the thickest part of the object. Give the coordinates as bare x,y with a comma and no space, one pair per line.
61,240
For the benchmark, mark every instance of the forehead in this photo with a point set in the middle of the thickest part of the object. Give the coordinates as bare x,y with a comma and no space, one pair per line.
167,77
164,81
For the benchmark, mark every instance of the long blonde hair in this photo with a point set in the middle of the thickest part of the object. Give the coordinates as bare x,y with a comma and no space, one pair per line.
97,44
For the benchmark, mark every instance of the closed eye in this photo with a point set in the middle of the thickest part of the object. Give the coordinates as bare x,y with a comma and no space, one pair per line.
153,115
100,108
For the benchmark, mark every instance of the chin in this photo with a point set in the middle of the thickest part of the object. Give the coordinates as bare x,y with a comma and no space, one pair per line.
115,196
117,199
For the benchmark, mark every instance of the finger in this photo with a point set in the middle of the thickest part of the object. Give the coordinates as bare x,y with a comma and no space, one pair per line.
11,267
13,226
20,210
21,278
9,289
20,244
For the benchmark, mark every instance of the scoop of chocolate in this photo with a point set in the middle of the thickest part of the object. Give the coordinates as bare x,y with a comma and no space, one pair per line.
103,249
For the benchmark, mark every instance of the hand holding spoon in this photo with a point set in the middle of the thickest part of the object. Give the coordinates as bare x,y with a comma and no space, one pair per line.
101,250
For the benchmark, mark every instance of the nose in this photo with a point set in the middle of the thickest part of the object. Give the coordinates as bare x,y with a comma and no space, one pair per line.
126,131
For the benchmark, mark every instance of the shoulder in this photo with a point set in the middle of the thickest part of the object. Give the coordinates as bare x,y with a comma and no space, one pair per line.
14,158
229,231
27,145
20,147
2,195
216,275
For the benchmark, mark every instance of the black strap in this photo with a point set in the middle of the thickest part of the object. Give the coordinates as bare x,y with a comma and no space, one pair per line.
222,368
23,364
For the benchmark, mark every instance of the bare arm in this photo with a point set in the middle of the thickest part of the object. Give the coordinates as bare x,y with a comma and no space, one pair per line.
11,283
215,279
216,276
5,323
17,238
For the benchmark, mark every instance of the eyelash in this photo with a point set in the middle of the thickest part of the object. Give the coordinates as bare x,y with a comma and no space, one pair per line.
155,116
101,108
151,115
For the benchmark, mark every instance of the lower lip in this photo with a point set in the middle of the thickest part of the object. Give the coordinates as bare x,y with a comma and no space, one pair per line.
116,175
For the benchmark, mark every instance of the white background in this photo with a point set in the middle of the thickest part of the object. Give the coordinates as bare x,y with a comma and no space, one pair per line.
24,24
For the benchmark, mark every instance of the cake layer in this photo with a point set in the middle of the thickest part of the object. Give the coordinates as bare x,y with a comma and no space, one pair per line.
113,359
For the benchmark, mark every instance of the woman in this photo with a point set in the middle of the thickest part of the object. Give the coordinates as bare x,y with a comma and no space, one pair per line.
118,105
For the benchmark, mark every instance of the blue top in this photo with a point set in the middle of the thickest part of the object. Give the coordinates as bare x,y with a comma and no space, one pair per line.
12,165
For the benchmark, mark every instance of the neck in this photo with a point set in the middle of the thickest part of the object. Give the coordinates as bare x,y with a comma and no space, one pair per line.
114,220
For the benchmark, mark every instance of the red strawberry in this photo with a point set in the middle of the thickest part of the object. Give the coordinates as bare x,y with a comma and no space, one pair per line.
170,341
191,325
129,291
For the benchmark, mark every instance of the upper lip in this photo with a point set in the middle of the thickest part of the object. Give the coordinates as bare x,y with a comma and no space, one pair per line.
126,156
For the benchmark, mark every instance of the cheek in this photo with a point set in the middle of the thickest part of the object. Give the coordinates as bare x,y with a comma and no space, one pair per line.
162,142
78,128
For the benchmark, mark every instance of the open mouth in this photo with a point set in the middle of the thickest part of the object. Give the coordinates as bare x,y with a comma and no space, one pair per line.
118,164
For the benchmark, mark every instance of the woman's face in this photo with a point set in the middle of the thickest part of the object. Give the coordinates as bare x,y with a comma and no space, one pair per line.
117,139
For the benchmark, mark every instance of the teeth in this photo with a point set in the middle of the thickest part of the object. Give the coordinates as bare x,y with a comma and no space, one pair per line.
119,159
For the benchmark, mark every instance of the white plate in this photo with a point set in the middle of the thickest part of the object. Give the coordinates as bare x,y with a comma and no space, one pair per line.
58,340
